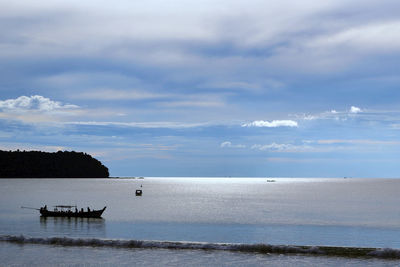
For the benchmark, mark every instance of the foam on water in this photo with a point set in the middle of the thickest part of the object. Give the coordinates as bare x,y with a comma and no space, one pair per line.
249,248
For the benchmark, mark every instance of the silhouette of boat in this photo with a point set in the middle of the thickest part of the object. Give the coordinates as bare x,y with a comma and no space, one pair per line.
66,211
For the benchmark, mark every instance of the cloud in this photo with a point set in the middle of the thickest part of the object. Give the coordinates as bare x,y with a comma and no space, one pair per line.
33,103
272,124
354,109
309,117
254,86
293,160
155,30
343,115
368,142
279,147
168,100
150,125
226,144
395,126
232,85
194,103
229,144
37,109
373,37
112,94
290,148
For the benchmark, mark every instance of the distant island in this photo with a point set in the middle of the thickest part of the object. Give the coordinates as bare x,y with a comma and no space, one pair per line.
61,164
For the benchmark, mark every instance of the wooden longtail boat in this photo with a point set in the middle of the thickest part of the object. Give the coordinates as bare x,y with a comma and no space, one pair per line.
66,211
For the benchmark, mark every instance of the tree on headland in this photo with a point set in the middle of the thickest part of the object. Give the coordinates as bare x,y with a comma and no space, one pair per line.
61,164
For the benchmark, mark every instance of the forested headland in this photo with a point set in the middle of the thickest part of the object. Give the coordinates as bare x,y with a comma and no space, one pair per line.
61,164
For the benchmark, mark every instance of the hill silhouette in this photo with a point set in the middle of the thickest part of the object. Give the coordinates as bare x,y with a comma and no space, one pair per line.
61,164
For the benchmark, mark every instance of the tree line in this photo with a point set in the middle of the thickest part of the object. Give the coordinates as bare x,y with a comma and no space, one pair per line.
61,164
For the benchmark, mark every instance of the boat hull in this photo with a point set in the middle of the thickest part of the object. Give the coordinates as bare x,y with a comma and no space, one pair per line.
70,214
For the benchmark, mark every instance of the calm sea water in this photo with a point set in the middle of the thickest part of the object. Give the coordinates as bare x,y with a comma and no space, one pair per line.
320,212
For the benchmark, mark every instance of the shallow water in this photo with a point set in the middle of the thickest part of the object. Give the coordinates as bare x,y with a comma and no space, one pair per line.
322,212
37,255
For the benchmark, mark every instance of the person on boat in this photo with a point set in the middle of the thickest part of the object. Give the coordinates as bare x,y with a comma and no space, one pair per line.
76,210
82,210
45,207
88,209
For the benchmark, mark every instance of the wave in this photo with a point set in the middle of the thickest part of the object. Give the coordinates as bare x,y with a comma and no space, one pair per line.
250,248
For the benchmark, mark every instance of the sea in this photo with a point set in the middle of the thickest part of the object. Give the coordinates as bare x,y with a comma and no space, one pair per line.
186,221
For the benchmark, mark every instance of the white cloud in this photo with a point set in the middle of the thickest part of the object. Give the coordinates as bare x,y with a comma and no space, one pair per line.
229,144
343,115
273,146
226,144
282,147
272,124
309,117
354,109
33,103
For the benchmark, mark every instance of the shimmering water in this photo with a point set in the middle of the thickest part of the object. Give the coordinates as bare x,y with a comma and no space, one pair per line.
321,212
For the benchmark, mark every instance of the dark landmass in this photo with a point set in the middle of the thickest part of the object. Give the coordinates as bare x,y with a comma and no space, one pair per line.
61,164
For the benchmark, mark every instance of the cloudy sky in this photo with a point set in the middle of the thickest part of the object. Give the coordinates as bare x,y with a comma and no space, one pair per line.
206,88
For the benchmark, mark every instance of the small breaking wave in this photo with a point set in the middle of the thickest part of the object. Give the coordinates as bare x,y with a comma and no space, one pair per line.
255,248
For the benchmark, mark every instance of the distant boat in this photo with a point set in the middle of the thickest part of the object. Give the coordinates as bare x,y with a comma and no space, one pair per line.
66,211
138,192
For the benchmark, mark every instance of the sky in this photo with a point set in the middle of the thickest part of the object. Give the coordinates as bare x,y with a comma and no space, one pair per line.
205,88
